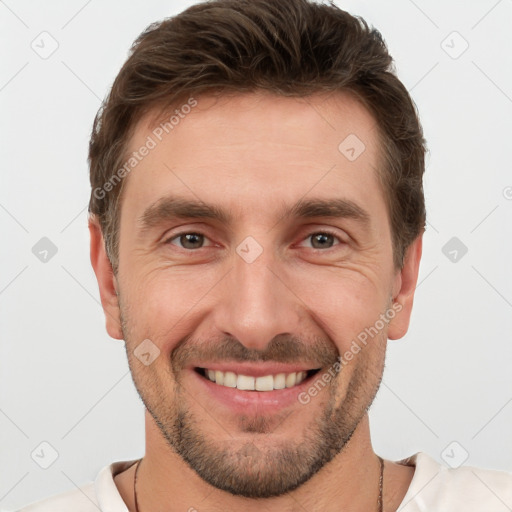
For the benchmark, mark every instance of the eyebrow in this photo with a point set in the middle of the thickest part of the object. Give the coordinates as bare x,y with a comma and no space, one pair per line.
177,208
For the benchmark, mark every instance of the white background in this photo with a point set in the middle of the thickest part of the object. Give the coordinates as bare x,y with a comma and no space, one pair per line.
64,381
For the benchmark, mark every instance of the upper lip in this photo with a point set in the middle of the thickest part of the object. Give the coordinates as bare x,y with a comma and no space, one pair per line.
256,369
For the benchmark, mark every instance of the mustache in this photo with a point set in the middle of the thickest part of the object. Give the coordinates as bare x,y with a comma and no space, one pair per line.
282,349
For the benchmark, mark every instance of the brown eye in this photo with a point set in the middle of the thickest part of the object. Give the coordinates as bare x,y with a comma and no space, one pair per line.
188,240
322,240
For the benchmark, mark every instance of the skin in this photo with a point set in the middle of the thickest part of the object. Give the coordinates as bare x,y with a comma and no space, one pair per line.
251,154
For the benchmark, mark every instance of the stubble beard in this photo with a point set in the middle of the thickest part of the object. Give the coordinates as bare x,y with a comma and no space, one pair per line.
258,469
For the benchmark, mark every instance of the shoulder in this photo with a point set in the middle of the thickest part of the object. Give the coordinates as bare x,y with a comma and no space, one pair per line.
82,499
442,488
102,494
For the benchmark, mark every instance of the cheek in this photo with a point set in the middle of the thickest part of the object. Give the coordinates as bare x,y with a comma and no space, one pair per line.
342,302
164,304
167,303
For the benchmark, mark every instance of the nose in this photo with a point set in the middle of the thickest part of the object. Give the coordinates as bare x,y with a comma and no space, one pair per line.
256,302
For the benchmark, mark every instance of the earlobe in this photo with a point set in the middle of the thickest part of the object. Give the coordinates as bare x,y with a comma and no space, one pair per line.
106,280
405,286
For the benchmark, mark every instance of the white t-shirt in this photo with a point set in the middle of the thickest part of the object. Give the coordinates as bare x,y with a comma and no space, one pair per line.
434,488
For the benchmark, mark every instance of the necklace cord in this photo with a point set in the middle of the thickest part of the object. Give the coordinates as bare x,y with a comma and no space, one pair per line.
135,485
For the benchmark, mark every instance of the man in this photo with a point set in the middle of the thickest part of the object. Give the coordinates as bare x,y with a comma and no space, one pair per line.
256,226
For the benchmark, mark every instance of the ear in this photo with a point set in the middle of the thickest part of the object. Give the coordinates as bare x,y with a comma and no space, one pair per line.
107,281
404,288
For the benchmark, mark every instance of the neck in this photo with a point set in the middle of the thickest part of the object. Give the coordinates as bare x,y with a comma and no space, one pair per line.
349,482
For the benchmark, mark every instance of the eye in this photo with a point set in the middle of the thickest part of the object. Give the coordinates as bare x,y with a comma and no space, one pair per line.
188,240
323,239
193,240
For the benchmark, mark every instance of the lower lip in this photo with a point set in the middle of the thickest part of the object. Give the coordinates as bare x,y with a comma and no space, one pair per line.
247,402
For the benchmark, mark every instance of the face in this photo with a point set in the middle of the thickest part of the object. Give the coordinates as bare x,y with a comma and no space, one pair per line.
255,250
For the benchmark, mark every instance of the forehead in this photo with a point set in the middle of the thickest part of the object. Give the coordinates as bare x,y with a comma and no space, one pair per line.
255,151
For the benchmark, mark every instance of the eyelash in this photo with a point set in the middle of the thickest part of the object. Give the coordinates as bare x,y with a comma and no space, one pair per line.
321,232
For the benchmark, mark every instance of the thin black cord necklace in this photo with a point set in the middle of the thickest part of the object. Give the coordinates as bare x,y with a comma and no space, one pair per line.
379,502
381,481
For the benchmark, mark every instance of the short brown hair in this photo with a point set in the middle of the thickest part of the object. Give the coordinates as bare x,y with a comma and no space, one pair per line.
287,47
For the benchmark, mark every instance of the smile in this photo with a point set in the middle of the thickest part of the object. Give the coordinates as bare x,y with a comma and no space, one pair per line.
249,383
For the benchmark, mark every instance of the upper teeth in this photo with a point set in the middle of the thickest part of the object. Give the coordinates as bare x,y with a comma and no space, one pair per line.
265,383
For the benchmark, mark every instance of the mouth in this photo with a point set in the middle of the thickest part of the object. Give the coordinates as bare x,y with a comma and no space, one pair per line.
250,388
261,383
